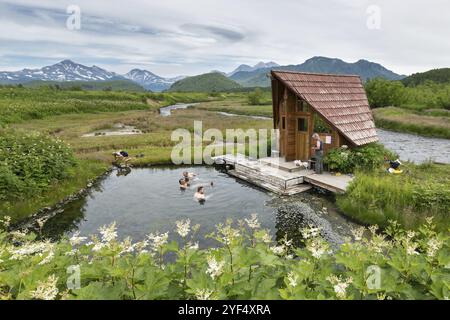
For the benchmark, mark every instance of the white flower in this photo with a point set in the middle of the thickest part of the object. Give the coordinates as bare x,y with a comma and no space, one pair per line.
228,233
215,268
46,290
203,294
31,248
183,227
411,248
340,285
6,221
127,246
410,234
267,238
158,240
108,233
76,239
253,222
373,229
48,258
18,235
358,233
279,250
141,246
193,246
317,247
310,232
434,245
292,279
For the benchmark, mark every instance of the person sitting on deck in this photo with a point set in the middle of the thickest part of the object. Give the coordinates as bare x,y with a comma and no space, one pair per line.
200,194
318,153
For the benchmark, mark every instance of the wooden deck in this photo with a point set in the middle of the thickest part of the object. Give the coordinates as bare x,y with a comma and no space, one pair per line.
279,176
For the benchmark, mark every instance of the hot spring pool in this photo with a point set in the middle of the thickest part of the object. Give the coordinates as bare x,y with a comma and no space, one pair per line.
149,200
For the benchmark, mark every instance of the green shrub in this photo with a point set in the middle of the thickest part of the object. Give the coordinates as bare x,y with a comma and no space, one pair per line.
255,97
366,158
383,93
246,264
29,163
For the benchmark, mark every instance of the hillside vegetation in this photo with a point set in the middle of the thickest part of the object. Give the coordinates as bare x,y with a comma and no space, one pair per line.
111,85
441,75
209,82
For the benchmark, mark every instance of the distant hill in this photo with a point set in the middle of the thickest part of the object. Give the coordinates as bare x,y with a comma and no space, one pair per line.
69,71
247,68
437,75
209,82
365,69
151,81
65,70
115,85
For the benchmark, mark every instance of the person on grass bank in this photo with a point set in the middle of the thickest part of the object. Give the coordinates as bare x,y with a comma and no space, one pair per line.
317,149
120,156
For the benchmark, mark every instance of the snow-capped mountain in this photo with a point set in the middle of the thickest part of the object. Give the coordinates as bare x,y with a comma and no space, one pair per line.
151,81
259,65
65,70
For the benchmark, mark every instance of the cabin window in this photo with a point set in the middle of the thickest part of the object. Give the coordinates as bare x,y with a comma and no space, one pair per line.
302,124
302,106
283,123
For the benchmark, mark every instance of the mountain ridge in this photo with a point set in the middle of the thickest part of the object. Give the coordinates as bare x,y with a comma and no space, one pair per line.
364,68
245,75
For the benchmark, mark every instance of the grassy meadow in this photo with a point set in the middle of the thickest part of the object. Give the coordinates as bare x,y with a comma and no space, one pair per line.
421,191
420,108
425,122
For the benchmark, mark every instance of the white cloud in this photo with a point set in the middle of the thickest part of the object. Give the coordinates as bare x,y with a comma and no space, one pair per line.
175,37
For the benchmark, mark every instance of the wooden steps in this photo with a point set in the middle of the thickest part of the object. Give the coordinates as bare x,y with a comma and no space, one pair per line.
275,188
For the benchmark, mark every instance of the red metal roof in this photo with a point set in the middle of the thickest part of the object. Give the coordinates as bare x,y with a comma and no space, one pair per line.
340,99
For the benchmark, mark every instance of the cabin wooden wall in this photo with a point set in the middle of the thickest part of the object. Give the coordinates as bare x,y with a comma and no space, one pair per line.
285,107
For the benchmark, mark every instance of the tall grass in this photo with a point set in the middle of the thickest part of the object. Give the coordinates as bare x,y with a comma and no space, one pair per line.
20,104
421,191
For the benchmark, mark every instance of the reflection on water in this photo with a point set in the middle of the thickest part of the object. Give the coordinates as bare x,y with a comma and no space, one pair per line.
150,200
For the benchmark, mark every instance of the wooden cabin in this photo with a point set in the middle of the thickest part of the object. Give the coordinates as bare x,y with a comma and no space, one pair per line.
334,106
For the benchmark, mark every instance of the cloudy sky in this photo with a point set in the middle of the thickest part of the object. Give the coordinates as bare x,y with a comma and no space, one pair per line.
187,37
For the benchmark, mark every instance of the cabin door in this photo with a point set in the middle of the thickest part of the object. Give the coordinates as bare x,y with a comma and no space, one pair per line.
302,138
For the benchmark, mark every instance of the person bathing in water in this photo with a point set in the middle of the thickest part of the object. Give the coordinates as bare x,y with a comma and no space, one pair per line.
183,184
188,175
200,194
